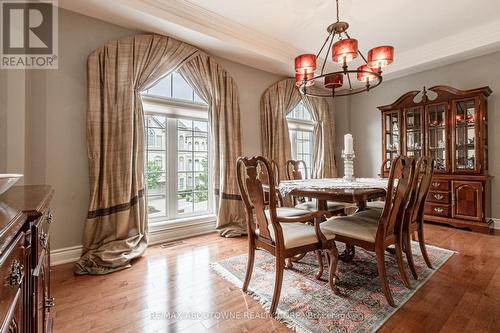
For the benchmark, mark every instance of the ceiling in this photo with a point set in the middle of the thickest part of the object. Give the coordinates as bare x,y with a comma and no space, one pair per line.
269,34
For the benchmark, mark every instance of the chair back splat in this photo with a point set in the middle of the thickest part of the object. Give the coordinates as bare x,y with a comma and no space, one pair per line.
398,192
250,172
293,169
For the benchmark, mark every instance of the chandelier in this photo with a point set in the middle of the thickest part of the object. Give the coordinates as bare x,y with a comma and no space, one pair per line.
343,51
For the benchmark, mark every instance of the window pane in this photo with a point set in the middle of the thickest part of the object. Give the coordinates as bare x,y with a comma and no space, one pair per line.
163,88
184,140
156,194
182,90
185,202
300,112
198,99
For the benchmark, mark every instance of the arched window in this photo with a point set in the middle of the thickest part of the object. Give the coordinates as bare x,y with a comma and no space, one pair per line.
176,124
301,128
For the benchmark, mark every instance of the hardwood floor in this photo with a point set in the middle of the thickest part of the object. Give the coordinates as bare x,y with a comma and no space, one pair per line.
463,296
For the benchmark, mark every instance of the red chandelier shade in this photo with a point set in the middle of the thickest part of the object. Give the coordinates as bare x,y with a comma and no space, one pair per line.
301,77
345,50
380,56
305,63
334,81
364,73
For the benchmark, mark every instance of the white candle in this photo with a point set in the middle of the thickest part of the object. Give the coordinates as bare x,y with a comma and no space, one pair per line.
348,144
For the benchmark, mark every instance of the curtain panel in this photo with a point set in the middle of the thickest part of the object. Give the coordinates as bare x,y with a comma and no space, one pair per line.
217,87
324,164
275,103
116,228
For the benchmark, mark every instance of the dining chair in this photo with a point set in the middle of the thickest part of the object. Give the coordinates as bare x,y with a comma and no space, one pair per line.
379,203
283,234
361,229
414,215
294,173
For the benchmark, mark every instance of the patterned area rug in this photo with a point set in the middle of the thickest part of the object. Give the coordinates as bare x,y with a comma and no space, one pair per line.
309,305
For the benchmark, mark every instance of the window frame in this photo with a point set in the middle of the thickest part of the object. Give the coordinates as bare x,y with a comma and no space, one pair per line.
173,110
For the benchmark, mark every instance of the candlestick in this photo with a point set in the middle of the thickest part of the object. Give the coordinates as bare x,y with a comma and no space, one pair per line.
348,165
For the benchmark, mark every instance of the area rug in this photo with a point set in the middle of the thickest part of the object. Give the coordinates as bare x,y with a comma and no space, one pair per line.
309,305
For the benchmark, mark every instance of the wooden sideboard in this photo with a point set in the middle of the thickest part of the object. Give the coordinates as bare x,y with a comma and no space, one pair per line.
25,298
452,127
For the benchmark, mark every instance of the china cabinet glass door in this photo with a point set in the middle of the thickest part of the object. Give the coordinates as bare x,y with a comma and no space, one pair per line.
465,136
436,135
413,128
391,139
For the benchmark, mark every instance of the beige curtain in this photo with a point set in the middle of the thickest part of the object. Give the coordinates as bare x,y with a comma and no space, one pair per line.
324,164
276,102
218,88
116,227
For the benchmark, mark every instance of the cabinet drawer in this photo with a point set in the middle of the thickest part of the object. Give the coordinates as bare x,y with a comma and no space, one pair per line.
12,273
439,197
437,210
440,185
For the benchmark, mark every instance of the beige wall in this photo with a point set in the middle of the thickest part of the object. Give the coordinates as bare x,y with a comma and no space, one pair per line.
56,147
365,117
251,84
13,93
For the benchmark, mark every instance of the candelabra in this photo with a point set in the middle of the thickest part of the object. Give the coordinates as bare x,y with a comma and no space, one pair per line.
348,165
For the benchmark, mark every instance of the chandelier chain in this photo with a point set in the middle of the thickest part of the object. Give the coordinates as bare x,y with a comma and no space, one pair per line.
338,15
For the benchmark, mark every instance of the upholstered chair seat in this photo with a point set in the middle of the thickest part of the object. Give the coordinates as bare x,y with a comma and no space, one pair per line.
352,226
287,212
375,205
312,206
297,234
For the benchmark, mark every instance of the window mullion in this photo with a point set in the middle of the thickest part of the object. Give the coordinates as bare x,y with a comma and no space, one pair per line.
172,158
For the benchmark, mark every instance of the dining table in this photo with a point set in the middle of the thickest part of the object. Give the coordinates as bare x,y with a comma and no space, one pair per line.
357,191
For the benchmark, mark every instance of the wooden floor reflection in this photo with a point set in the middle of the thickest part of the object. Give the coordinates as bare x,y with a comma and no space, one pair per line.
173,289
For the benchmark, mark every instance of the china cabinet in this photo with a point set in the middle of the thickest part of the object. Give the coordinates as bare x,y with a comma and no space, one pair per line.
449,125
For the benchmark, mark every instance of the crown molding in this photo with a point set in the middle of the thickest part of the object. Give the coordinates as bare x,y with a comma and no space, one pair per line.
228,39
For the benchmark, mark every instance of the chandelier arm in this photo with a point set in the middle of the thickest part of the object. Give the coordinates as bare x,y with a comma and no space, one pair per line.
327,53
362,56
322,47
349,79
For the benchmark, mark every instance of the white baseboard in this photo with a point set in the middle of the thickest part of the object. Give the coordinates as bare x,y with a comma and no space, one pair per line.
496,223
159,234
65,255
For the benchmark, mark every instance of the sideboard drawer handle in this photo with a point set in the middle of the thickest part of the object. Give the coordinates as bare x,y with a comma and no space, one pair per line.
44,239
438,196
438,209
49,218
16,273
436,184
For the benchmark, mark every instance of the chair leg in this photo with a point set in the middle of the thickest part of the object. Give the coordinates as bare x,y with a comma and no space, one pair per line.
277,283
319,257
423,249
251,257
409,254
401,266
289,263
383,276
334,259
